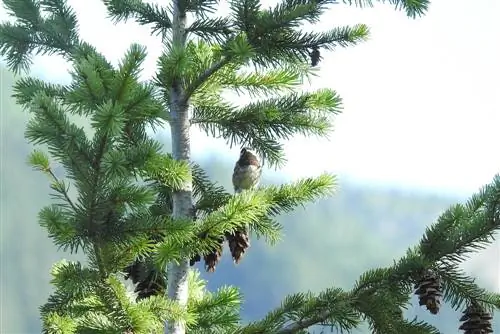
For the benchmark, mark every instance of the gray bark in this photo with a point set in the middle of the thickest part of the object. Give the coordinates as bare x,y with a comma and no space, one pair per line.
182,199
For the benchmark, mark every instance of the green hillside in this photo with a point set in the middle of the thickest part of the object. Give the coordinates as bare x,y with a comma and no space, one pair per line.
327,243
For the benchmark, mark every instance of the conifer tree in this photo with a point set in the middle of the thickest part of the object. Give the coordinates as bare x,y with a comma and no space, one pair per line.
135,208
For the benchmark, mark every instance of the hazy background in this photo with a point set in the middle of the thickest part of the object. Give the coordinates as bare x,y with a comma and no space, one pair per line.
417,134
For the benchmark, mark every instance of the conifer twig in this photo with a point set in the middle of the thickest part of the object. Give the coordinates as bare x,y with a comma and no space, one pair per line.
204,77
298,325
64,192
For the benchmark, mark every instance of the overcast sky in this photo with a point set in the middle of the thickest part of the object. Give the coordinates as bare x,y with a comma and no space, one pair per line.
421,97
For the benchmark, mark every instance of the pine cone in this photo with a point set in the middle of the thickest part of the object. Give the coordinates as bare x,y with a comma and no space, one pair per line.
213,258
315,56
476,320
194,259
148,280
429,292
238,244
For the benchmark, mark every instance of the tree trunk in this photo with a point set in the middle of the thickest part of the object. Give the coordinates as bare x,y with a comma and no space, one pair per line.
182,199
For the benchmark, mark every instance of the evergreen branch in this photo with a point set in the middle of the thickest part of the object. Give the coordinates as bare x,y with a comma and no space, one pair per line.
238,211
72,279
128,71
26,88
98,323
200,7
163,308
124,160
208,64
66,142
167,171
461,290
16,44
217,311
61,188
144,13
285,47
211,29
211,196
287,197
341,310
56,34
467,227
268,82
27,12
93,80
274,33
292,13
374,285
413,8
116,302
55,323
40,161
382,309
174,66
61,226
109,119
62,24
103,272
202,78
301,311
241,210
417,327
183,241
261,123
62,303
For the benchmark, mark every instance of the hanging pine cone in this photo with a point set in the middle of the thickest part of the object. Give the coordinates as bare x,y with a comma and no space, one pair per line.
315,56
213,258
476,320
194,259
429,292
238,244
148,280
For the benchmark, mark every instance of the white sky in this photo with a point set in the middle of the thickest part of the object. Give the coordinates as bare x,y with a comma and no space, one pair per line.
421,97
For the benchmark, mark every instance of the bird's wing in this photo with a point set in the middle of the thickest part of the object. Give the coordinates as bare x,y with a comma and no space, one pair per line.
236,178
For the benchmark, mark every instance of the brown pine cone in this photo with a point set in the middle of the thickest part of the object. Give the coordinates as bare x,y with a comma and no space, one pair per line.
238,244
429,292
212,259
476,320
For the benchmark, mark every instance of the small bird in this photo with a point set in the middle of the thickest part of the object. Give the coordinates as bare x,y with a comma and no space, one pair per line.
246,176
247,171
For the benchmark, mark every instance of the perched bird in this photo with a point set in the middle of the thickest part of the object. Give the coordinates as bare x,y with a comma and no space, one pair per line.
247,171
246,175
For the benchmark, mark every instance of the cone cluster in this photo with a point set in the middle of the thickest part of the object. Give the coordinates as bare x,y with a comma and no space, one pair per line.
238,242
476,320
212,259
428,289
148,282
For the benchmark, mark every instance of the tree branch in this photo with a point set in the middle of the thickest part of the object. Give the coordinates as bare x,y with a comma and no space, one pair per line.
299,325
65,193
204,77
